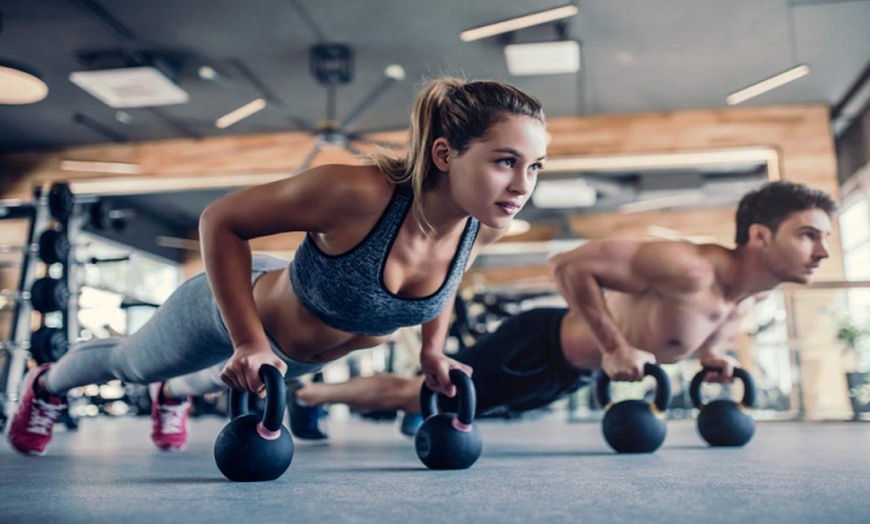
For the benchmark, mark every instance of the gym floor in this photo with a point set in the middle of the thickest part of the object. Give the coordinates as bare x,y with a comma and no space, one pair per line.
539,469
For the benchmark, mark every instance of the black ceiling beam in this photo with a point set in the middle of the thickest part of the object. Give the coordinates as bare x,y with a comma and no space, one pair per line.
269,95
99,128
306,17
115,25
174,124
863,78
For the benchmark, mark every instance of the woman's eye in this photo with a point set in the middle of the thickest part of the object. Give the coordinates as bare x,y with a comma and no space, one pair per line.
507,162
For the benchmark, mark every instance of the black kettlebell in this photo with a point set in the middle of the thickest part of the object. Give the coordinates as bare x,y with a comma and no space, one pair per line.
724,422
449,440
635,426
249,449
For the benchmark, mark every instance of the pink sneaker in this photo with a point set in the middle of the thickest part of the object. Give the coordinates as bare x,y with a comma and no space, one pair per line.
30,430
168,421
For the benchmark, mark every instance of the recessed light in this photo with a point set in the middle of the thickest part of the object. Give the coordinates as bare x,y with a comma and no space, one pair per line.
19,86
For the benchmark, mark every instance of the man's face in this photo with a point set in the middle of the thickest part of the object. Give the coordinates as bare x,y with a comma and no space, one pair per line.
798,246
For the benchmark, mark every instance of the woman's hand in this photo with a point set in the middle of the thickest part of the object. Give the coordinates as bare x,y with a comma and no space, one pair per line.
242,370
436,368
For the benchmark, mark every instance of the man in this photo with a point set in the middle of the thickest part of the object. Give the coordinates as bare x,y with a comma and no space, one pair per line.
629,302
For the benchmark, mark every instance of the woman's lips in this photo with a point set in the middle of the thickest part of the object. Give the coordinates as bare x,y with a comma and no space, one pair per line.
510,208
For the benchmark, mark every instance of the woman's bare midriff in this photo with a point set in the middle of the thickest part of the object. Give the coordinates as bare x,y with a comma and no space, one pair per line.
299,334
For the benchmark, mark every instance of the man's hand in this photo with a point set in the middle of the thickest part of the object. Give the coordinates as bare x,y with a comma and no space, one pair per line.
436,368
626,363
723,362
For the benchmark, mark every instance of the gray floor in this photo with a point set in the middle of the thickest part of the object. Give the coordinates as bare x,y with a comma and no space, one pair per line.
541,470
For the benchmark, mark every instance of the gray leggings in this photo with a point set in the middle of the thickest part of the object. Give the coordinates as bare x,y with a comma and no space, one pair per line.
185,344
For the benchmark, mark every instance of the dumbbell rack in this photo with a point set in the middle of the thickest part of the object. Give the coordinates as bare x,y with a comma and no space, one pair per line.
47,244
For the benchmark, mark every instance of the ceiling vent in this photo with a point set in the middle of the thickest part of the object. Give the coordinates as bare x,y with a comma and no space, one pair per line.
144,86
123,80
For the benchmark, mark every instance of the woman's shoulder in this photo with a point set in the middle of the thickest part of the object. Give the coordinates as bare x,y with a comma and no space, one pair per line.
361,188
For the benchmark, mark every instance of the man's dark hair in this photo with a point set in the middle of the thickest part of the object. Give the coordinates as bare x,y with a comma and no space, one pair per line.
774,202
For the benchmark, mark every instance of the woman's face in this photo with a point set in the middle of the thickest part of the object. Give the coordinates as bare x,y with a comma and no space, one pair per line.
495,176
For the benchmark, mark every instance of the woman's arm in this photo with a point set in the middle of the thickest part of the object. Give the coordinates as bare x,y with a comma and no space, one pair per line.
434,363
319,200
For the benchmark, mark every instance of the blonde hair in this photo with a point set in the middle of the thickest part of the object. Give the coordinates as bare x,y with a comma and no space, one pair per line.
458,111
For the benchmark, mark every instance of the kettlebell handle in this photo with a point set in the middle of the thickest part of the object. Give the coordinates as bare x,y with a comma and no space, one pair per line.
465,393
748,386
273,415
663,386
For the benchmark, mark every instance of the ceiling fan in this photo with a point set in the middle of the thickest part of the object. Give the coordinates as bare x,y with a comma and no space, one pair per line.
331,64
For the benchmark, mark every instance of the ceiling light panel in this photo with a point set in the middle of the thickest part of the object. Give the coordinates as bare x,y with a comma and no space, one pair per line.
144,86
543,58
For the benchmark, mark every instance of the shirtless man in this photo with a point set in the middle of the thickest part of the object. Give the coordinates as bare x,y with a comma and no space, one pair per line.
629,302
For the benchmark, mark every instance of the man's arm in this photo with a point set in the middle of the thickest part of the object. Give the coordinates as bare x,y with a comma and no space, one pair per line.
627,266
708,353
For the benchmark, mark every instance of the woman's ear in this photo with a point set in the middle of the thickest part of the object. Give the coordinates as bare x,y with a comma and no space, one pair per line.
441,154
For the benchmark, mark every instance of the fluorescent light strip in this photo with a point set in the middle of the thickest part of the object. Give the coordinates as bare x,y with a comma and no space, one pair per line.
767,85
545,247
118,168
137,185
541,17
177,243
664,160
243,112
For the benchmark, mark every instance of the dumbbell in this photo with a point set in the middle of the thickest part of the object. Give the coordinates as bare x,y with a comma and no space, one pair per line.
46,295
635,426
47,344
52,247
724,422
61,201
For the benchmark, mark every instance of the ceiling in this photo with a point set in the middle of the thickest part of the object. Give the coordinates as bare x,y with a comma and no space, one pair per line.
637,56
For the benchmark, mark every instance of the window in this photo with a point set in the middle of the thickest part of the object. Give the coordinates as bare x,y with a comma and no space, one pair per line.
855,238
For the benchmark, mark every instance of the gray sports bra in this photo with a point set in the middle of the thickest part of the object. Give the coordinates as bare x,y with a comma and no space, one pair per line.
347,291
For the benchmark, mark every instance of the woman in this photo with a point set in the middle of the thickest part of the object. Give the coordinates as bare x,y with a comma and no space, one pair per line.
386,247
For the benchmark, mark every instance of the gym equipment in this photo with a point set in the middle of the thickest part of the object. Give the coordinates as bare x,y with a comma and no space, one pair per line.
48,344
46,295
50,225
49,294
249,449
449,440
102,218
724,422
53,246
635,426
60,201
